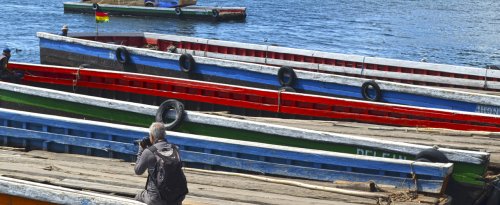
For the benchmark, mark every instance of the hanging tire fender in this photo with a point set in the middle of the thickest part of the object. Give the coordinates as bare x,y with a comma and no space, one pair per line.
292,77
431,155
95,6
162,113
187,63
178,11
215,14
122,55
365,89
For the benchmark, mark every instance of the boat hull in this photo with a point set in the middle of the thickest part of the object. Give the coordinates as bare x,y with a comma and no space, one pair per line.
83,136
191,12
60,103
201,95
70,53
16,200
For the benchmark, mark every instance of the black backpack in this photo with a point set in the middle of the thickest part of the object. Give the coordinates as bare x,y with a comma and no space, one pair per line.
168,176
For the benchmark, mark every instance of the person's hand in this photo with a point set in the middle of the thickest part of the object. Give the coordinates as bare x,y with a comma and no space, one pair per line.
145,142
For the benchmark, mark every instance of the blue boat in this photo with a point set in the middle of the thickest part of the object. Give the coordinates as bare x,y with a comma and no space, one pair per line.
108,52
61,134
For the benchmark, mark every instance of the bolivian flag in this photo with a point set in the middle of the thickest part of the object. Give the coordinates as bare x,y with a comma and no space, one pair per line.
101,17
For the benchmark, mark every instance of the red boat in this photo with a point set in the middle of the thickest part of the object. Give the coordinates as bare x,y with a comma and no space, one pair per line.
140,86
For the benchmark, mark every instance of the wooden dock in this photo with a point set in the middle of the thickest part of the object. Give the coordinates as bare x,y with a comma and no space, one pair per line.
115,177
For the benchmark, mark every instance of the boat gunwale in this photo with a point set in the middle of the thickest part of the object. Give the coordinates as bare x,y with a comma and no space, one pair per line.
187,8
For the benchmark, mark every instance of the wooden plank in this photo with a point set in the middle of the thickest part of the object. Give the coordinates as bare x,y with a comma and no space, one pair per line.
70,140
58,195
204,188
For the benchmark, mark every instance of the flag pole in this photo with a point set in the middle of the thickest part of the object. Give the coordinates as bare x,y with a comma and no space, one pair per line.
96,28
96,7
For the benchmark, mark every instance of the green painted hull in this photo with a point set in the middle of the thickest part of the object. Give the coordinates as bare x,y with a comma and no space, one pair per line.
463,172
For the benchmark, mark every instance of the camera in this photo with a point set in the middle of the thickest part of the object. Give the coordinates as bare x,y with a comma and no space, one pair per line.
145,142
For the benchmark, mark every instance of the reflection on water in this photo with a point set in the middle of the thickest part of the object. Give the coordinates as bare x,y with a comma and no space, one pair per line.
453,32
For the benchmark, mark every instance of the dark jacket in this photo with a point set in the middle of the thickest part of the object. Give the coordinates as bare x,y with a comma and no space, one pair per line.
4,60
146,160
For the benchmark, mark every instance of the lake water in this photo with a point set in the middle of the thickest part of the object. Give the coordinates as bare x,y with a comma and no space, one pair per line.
441,31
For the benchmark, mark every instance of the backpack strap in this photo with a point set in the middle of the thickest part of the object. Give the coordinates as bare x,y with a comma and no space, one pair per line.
153,149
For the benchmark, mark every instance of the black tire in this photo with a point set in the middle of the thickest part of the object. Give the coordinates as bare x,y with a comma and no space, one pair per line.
187,63
431,155
288,89
122,55
178,11
285,70
364,91
149,4
215,14
161,114
95,6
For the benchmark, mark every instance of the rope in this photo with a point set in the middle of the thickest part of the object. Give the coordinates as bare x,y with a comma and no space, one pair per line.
75,81
486,78
279,99
372,195
363,67
413,175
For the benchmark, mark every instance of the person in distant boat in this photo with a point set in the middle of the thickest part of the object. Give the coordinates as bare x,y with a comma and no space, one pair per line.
5,73
166,183
64,30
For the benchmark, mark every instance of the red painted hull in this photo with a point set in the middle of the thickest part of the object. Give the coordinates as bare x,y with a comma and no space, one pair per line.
259,99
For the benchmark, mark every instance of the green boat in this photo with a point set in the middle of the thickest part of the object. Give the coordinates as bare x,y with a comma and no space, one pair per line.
469,166
191,12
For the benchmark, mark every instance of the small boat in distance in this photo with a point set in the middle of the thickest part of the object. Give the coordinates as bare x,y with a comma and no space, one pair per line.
181,9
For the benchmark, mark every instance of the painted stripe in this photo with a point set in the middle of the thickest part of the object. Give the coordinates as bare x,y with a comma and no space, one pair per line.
101,14
105,145
306,156
431,186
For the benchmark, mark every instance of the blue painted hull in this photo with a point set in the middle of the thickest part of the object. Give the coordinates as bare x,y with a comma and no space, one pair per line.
260,79
93,138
